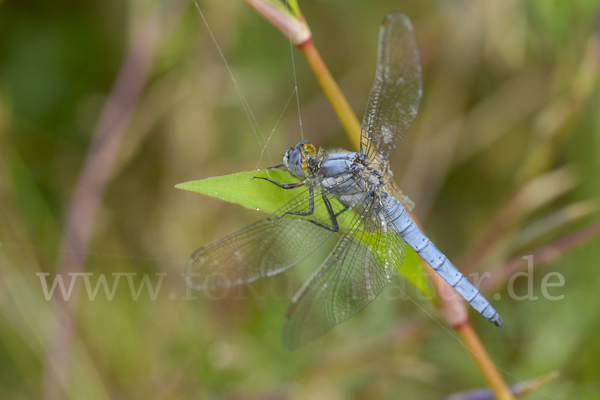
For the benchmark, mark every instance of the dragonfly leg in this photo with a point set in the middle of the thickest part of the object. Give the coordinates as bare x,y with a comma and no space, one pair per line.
276,166
332,215
343,210
311,209
311,205
282,185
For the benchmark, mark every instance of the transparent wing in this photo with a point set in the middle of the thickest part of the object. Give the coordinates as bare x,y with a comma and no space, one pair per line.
397,91
395,191
365,258
264,248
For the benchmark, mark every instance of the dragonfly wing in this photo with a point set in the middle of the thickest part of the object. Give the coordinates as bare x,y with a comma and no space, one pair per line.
395,192
365,258
264,248
397,91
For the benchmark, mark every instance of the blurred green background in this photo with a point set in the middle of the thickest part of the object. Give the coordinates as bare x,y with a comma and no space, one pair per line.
510,120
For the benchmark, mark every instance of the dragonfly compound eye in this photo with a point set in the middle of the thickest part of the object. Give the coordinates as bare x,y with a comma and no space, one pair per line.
296,162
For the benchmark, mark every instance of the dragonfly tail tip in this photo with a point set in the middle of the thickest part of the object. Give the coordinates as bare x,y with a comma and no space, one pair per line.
497,321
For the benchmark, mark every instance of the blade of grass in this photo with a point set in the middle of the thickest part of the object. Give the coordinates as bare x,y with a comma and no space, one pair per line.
90,187
552,251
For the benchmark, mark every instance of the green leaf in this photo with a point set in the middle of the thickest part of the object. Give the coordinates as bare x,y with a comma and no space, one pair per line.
257,194
413,271
293,5
243,189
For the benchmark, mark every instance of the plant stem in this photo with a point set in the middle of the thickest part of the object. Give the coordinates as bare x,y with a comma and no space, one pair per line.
343,110
89,190
352,127
452,307
484,362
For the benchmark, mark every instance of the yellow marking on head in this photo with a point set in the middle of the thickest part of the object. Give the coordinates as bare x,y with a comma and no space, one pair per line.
307,150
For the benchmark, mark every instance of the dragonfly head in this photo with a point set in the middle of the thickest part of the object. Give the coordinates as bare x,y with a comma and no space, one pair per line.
296,158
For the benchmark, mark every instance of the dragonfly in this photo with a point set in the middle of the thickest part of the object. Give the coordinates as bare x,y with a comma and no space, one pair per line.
349,194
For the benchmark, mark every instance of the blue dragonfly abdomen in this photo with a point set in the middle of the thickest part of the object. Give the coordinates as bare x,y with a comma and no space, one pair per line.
404,226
